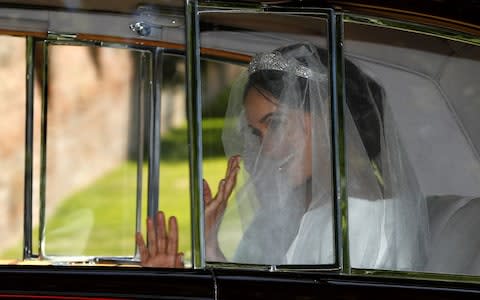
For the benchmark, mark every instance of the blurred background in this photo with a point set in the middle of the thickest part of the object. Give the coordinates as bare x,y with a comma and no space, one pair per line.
95,133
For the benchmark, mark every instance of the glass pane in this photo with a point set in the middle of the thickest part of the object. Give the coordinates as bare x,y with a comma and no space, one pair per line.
174,168
216,86
12,145
91,162
266,126
414,165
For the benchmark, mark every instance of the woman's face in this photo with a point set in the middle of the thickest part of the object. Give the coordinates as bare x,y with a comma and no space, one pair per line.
284,134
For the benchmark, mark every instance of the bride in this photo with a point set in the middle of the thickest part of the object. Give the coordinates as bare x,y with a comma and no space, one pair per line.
278,125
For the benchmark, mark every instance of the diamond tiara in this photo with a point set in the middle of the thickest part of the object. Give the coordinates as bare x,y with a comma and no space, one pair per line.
275,61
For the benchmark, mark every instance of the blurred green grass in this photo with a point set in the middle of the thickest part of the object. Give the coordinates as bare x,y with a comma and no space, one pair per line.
174,144
99,219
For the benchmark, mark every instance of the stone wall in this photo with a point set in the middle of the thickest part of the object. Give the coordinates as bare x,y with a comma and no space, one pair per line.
91,120
12,127
88,120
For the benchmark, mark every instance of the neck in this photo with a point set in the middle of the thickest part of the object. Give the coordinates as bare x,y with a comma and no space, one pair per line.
305,189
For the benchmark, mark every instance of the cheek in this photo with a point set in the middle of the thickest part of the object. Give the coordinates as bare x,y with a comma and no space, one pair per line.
291,139
297,137
302,167
284,143
297,141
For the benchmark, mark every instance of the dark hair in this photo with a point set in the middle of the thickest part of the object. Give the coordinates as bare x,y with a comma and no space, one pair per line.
273,83
363,94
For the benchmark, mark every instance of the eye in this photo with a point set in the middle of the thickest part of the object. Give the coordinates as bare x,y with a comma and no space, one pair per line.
256,132
276,121
274,124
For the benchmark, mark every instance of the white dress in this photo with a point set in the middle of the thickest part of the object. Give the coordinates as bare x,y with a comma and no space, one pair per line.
372,238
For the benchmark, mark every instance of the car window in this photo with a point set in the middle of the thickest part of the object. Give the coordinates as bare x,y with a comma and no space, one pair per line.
100,134
413,99
93,150
105,139
90,121
266,125
98,113
12,136
174,189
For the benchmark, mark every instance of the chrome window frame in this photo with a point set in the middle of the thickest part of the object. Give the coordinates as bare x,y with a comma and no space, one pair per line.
28,168
336,88
39,23
336,21
429,30
194,117
426,30
150,86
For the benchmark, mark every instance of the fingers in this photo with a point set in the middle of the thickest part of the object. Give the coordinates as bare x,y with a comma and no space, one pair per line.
142,248
210,211
221,189
207,193
162,247
151,237
179,260
233,164
230,162
231,179
227,185
162,239
233,167
172,246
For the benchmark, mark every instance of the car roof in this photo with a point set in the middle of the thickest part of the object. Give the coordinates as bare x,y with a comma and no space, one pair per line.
459,13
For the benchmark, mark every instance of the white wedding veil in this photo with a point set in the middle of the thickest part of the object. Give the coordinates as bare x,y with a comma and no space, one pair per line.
278,121
388,219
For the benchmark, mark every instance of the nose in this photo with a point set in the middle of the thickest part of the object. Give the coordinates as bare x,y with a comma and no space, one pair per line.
270,148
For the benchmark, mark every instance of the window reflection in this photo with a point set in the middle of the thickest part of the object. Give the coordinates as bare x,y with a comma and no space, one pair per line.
427,167
174,173
12,137
90,177
276,137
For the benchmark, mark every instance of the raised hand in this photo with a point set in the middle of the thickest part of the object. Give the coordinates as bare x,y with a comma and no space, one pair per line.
215,207
162,246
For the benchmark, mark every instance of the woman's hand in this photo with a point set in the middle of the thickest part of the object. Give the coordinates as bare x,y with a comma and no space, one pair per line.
162,246
215,207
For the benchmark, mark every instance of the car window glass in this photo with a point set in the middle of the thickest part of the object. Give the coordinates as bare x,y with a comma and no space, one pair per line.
268,137
94,116
90,175
174,189
91,151
12,136
416,110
